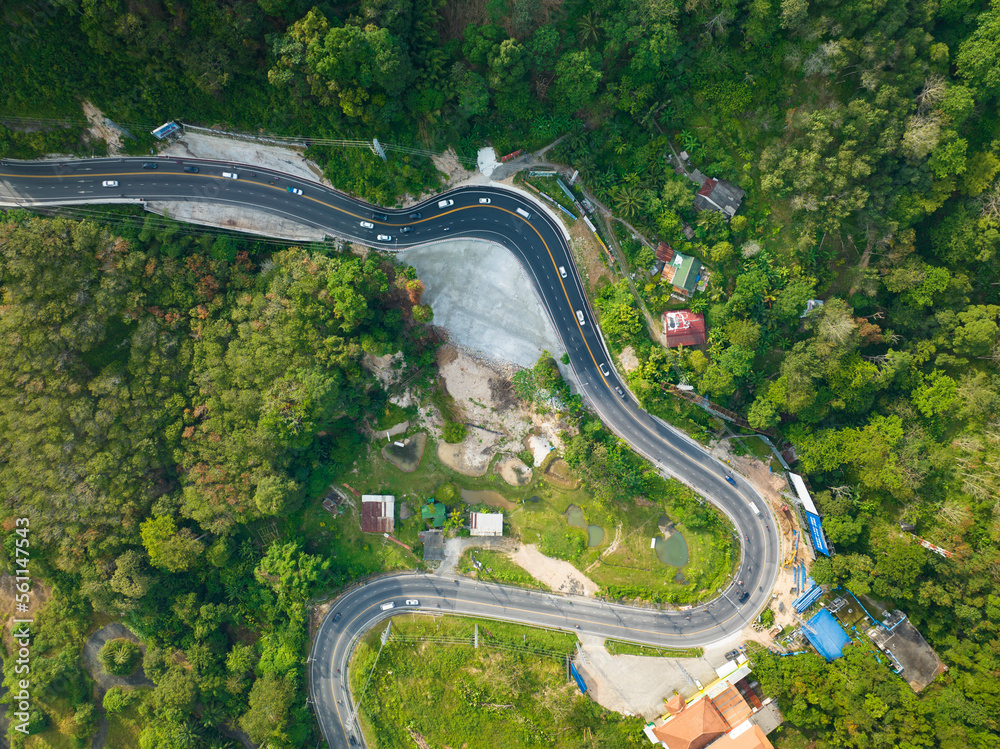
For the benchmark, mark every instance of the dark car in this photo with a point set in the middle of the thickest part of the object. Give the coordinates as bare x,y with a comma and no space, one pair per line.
731,480
732,655
744,598
406,229
192,169
416,215
150,165
338,617
353,742
380,217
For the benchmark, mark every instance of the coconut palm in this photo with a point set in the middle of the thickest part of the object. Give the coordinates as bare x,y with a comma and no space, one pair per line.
628,201
588,28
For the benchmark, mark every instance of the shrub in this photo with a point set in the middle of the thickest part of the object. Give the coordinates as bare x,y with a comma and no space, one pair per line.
454,432
117,699
120,657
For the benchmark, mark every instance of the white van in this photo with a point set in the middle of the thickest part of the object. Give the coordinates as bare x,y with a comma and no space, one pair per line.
230,175
445,203
754,508
579,316
523,212
387,606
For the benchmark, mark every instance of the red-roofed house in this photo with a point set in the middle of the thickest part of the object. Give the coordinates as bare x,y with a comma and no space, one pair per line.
664,252
683,328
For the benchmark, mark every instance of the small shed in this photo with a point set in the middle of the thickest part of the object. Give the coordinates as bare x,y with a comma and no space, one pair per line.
378,513
486,524
826,635
433,512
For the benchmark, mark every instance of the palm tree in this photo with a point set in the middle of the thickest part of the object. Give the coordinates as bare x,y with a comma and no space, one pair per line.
212,715
628,201
589,30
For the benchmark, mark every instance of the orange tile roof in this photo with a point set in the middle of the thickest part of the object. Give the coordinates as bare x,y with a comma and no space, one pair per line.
696,727
675,704
752,738
733,707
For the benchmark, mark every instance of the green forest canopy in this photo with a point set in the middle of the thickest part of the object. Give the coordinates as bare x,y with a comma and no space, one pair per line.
866,134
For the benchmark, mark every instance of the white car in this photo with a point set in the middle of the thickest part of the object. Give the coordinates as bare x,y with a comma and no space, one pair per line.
110,183
579,316
604,370
367,225
412,602
484,201
387,606
230,175
562,271
445,203
294,190
384,238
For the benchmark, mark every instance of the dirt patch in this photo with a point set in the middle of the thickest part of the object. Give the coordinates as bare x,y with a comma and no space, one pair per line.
407,456
514,472
99,129
559,473
589,258
560,576
279,158
462,460
629,360
540,447
484,400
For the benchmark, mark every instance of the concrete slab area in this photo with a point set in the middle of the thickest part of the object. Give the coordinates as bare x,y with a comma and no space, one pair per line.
635,684
485,300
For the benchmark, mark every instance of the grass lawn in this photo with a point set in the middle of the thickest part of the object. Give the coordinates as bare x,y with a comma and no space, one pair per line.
632,571
619,647
124,727
497,567
430,682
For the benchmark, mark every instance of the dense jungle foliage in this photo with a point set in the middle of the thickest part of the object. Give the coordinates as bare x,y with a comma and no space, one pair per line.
191,383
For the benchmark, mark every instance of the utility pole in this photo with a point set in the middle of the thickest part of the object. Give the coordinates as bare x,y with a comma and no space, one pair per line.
378,150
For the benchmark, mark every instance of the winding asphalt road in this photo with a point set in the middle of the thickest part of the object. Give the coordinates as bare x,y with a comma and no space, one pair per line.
539,243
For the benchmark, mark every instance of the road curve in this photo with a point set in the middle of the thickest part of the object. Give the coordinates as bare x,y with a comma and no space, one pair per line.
538,242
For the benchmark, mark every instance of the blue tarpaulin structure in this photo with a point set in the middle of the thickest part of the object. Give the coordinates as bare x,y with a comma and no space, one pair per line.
826,635
816,531
579,679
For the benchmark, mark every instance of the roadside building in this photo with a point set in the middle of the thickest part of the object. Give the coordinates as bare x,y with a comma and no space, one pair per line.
683,328
719,195
378,513
486,524
727,714
682,272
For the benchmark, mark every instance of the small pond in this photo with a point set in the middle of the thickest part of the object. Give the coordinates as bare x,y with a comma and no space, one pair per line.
673,550
487,496
575,518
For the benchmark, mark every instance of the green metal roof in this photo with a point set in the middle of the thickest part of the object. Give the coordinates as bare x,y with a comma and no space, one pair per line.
433,511
686,276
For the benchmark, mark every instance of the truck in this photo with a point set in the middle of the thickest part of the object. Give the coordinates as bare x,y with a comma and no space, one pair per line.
754,508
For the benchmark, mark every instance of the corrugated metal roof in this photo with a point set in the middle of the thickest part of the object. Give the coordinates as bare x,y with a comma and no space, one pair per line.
486,524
